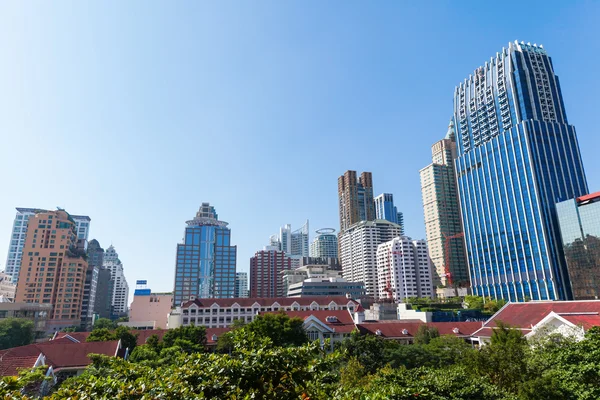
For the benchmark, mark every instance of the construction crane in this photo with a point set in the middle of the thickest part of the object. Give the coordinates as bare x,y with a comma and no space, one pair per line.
447,272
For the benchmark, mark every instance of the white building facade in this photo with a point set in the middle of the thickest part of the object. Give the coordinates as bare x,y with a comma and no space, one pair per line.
7,288
358,246
404,269
120,293
241,284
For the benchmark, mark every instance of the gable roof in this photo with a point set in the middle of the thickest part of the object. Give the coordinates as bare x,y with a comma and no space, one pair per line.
397,329
524,316
268,302
59,355
10,366
343,324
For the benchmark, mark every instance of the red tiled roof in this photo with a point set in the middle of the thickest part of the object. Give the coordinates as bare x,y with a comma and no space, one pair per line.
61,354
525,315
395,329
10,366
267,302
143,335
80,336
344,324
586,321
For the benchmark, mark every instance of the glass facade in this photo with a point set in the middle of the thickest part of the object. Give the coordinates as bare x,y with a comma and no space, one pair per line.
579,221
206,261
517,157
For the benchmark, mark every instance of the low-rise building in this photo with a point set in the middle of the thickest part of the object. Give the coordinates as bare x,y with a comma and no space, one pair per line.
36,312
149,310
405,332
535,318
65,358
319,280
220,313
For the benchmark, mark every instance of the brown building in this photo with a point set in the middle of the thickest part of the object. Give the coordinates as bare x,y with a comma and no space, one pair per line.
265,273
355,199
53,268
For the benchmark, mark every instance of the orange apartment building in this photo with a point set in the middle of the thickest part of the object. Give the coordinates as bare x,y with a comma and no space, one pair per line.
53,268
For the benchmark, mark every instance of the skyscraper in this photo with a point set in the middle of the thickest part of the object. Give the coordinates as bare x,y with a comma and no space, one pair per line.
325,244
517,157
293,243
385,209
102,302
53,267
120,288
579,221
358,251
19,231
300,241
241,284
403,269
442,214
355,199
206,260
265,272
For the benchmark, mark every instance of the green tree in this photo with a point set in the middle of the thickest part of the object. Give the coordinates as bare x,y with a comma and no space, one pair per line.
369,350
122,333
503,361
474,302
225,341
425,333
280,328
191,339
16,332
104,323
492,306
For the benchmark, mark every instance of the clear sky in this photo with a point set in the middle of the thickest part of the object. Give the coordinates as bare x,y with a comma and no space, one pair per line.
135,112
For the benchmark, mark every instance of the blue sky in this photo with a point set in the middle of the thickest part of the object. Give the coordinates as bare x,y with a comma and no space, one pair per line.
136,112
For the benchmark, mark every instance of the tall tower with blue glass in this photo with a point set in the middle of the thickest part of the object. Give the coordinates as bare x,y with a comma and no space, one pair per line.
517,157
206,260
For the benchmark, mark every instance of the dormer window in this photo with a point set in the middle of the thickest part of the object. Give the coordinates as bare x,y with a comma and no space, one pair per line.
405,331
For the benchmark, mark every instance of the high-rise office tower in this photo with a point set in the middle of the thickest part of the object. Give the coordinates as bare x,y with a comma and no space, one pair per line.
53,267
95,258
241,284
120,288
299,238
325,244
358,251
517,157
385,209
102,301
206,260
265,272
403,269
579,221
355,199
19,231
442,214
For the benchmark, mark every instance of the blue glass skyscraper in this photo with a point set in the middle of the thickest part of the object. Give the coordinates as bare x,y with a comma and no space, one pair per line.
385,209
206,260
517,157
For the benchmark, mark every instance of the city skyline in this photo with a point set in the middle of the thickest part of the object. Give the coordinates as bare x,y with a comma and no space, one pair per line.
334,99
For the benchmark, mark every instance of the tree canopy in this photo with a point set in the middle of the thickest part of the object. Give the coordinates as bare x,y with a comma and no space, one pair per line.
16,332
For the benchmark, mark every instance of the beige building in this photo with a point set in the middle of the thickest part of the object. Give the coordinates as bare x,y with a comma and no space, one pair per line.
442,214
38,313
150,309
53,268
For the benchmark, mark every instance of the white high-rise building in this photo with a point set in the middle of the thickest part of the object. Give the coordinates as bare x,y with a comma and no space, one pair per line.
241,284
293,243
325,244
403,269
358,246
19,231
120,293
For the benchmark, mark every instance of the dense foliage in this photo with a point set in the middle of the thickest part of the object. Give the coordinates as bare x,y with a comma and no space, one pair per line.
128,339
361,367
16,332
